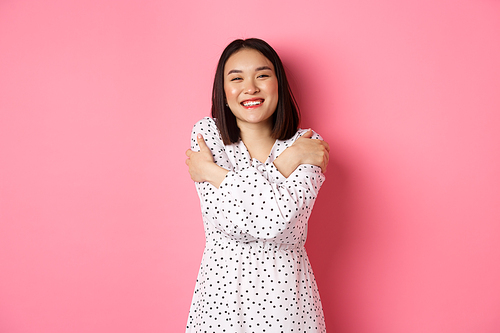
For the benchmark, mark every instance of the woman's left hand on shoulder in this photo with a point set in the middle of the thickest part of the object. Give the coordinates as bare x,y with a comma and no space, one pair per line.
312,151
303,151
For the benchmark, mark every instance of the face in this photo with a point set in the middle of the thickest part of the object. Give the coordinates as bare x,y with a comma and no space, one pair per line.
251,88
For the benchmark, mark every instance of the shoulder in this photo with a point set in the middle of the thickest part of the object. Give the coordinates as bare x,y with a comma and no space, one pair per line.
283,144
206,127
205,124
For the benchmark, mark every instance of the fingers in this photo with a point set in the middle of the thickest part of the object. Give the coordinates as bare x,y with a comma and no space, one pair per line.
327,146
201,142
324,164
307,134
327,158
310,133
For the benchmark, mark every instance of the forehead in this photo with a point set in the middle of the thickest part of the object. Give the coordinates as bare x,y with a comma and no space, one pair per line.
247,59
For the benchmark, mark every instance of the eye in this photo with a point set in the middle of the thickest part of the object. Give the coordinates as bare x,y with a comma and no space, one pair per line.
263,76
236,79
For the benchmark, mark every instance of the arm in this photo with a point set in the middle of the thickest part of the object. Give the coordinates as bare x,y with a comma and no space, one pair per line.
255,202
304,150
265,203
202,167
258,203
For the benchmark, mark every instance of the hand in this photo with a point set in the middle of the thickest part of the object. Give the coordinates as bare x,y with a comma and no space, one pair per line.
312,151
303,151
202,167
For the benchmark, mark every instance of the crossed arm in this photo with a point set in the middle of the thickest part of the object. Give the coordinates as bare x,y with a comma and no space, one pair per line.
303,151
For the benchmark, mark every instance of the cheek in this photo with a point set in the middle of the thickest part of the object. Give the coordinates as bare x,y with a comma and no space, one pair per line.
230,93
272,86
273,90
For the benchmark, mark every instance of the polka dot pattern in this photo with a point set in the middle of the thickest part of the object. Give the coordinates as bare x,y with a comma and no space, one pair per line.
255,275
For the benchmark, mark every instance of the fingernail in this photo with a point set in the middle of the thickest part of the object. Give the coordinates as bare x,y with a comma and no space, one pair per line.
199,136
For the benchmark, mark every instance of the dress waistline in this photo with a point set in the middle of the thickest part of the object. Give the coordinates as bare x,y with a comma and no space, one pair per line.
266,245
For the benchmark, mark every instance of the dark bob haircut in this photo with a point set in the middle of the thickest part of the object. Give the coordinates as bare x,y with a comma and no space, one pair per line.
286,117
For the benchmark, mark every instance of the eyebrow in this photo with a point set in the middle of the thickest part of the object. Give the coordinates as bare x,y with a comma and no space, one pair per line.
262,68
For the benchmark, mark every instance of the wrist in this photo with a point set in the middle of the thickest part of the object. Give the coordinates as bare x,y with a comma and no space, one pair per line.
287,161
215,174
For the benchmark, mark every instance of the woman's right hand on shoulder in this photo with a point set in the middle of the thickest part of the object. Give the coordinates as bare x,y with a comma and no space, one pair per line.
304,151
202,166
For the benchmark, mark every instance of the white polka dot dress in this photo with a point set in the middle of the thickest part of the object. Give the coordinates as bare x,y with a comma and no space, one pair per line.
255,275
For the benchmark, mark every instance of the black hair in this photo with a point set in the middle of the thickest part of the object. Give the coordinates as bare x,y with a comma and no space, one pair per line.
286,118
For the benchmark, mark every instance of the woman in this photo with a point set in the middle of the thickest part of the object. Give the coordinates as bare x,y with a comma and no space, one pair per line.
257,176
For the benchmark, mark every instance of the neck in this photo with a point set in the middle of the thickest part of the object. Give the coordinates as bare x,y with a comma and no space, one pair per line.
255,132
257,139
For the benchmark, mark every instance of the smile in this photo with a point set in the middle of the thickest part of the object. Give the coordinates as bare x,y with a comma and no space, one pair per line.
252,102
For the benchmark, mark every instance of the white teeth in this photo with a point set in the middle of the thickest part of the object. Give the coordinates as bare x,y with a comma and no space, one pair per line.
252,103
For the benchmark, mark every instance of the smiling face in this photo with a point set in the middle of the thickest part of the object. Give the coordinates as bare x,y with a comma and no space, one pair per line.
251,88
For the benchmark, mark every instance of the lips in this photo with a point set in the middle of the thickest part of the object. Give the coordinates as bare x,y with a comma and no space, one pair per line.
252,102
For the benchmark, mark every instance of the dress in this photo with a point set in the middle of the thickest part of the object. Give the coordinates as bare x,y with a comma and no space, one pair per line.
255,275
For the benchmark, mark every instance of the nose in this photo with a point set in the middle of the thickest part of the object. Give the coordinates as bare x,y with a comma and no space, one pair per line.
251,88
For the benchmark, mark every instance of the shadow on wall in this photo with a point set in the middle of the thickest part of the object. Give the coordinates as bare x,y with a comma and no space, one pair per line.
332,229
328,243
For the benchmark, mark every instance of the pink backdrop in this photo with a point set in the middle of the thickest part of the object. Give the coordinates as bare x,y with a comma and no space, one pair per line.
100,227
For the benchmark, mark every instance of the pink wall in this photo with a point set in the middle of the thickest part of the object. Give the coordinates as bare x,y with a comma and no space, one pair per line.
100,229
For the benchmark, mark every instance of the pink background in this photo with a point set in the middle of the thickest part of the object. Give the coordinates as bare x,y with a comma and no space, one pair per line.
100,227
